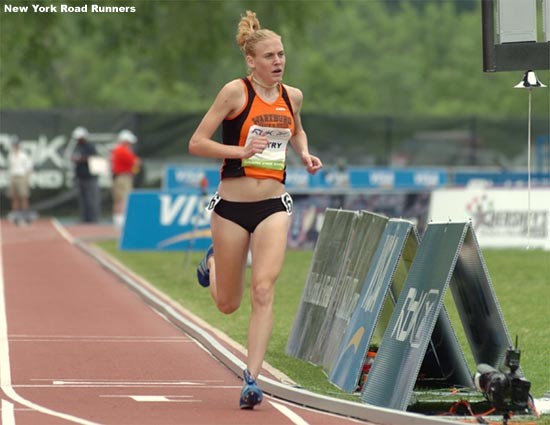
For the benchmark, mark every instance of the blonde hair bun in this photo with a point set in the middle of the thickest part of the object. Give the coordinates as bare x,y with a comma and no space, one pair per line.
249,32
247,25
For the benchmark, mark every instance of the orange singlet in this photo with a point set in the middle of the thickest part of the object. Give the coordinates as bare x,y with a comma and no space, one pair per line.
276,120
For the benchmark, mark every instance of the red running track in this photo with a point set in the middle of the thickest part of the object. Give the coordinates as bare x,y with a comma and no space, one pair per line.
78,346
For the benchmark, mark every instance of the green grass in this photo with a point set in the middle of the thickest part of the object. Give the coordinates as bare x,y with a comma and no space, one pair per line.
521,279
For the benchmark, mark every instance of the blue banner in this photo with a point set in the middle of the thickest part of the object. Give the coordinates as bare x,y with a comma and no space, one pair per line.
180,177
501,178
177,177
166,220
416,178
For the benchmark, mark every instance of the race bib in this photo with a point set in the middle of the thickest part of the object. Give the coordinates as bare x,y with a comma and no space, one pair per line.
274,155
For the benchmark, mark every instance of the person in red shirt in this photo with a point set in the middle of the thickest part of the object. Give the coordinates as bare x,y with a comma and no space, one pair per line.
124,165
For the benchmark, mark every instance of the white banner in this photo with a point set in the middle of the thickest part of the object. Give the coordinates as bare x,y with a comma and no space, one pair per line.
499,216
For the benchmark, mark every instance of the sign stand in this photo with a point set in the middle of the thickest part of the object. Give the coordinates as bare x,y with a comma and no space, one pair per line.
385,280
449,255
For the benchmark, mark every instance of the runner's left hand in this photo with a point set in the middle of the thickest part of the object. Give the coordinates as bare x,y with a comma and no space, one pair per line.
312,163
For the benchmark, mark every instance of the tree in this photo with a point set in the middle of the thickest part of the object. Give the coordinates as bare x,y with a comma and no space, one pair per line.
353,57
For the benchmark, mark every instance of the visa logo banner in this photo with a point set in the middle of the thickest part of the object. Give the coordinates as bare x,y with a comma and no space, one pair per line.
181,177
166,221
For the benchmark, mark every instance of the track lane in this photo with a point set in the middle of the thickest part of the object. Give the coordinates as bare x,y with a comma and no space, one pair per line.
83,348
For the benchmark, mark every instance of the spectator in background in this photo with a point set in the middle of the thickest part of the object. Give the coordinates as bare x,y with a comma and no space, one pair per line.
88,189
124,165
20,169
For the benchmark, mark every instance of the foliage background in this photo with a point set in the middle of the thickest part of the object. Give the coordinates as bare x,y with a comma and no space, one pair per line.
347,56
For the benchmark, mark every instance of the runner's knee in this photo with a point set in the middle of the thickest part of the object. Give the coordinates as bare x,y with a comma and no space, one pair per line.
228,306
262,294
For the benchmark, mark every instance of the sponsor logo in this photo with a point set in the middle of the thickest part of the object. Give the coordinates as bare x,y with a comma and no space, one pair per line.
273,120
382,178
191,177
426,178
380,274
337,178
355,340
488,220
53,168
176,221
413,317
270,132
320,291
182,210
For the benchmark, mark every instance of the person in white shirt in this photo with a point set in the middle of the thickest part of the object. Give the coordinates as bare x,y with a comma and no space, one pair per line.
20,169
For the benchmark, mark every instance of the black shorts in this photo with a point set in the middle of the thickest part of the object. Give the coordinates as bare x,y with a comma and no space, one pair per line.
249,214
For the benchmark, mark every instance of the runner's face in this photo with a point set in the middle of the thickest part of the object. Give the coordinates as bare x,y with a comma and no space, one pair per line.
269,62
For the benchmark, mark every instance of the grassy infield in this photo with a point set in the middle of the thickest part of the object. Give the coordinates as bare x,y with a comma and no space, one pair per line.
521,280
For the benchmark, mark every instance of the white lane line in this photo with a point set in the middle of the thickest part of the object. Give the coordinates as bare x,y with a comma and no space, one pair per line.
295,418
8,416
5,366
157,398
98,340
76,382
94,337
198,387
62,231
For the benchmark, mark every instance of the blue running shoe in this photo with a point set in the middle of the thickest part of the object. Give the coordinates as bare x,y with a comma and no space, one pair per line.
251,394
203,272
